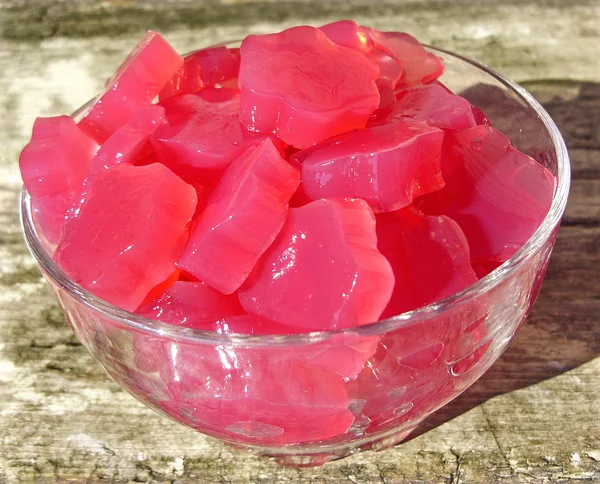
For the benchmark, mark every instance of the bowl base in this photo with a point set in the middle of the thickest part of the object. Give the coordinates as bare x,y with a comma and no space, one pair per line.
314,456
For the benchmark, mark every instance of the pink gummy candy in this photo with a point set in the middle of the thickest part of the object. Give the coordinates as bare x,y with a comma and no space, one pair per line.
202,134
130,231
415,367
429,256
203,68
254,394
386,165
344,353
264,400
323,271
348,33
192,304
54,165
243,217
303,87
433,105
139,80
128,141
480,117
420,66
497,195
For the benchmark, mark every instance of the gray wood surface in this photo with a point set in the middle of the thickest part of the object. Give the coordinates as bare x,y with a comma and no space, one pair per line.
534,417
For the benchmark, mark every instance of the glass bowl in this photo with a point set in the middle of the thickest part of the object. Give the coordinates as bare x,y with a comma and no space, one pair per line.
306,399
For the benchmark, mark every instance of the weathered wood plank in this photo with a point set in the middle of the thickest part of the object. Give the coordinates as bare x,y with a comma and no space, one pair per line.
532,418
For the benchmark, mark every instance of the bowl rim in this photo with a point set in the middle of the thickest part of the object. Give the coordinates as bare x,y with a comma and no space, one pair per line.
166,330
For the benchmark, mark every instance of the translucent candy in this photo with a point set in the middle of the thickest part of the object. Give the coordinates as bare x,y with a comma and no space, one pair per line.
139,80
323,271
303,87
54,166
130,231
243,216
385,165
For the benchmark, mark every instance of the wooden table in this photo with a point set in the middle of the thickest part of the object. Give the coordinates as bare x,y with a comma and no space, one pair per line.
535,416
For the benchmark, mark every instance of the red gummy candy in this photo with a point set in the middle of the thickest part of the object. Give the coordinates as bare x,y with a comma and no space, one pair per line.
480,117
348,33
128,141
130,231
243,217
159,289
433,105
202,134
417,366
203,68
254,394
54,165
269,401
497,195
303,87
344,353
192,304
420,66
251,324
429,256
386,165
139,80
323,271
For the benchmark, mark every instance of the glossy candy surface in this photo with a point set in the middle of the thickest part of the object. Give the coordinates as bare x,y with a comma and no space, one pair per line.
323,271
54,166
429,256
387,166
127,141
433,105
192,304
420,67
203,68
497,195
303,87
139,80
130,231
243,216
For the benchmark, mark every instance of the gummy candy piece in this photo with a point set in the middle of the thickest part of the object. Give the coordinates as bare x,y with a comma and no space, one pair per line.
347,33
420,66
255,394
139,80
251,324
159,289
127,141
129,232
203,68
385,165
303,87
344,353
433,105
480,117
429,256
202,134
409,375
192,304
243,217
54,165
323,271
265,400
497,195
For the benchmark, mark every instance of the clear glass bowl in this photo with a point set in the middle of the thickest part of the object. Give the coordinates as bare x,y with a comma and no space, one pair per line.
306,399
